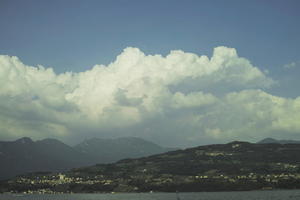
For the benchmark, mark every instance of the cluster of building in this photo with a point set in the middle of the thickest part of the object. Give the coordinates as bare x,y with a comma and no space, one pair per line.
59,179
254,177
62,179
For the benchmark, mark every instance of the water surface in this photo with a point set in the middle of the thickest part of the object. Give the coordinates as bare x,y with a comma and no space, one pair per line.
251,195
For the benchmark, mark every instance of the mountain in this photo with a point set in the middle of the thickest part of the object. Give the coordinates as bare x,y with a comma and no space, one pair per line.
224,167
24,155
112,150
274,141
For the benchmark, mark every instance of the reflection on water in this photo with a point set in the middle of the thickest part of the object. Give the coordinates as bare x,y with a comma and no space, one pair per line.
251,195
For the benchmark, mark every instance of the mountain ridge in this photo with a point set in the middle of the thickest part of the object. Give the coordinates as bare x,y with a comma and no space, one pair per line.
135,147
25,155
272,140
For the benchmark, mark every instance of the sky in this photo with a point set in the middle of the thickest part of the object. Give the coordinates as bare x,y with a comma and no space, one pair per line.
178,73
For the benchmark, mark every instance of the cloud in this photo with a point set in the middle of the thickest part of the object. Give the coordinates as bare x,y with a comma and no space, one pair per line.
254,112
180,99
291,65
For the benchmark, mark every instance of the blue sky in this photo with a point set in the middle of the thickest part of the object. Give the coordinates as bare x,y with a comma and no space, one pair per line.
73,35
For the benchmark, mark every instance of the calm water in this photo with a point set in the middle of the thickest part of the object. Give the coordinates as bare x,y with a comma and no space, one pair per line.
253,195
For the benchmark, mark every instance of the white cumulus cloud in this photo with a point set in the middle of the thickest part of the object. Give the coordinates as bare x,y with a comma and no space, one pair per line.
179,99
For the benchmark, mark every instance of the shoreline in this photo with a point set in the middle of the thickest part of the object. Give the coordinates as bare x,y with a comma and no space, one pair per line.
150,192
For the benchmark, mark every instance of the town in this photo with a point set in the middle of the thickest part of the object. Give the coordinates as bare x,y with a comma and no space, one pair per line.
61,183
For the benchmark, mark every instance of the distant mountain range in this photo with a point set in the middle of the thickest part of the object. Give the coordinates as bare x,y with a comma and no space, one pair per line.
222,167
24,155
112,150
274,141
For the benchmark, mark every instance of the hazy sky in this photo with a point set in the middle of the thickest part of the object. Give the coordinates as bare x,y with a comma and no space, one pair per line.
178,73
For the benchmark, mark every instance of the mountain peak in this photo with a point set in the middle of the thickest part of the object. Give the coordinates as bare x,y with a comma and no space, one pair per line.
106,150
50,141
268,140
25,140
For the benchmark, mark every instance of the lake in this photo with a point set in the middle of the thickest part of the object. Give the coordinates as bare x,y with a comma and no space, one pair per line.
249,195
